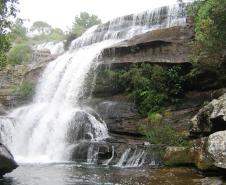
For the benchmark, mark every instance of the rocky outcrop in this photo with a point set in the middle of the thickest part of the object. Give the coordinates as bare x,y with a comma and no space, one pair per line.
211,118
7,163
40,56
13,76
169,45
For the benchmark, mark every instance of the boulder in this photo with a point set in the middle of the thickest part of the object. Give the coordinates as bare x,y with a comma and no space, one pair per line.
121,117
217,148
196,155
7,163
211,118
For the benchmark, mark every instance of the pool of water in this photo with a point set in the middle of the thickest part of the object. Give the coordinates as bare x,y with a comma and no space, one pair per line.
77,174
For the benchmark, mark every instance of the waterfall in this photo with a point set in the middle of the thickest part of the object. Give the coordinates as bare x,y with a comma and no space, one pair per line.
130,25
54,123
131,158
55,48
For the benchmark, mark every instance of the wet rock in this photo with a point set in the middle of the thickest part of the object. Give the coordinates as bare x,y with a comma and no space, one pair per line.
177,156
210,119
195,155
7,163
83,127
217,148
2,109
121,117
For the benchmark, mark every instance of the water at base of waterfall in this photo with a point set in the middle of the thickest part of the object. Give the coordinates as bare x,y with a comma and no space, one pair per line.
83,174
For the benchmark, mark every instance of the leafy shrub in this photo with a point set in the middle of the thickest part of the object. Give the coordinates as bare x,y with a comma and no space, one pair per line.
151,87
165,135
155,117
209,47
4,47
19,54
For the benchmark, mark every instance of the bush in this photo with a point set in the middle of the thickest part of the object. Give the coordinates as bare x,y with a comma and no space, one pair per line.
19,54
209,47
150,87
165,135
4,47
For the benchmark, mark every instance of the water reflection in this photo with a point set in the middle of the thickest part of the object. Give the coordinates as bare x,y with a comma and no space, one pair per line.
77,174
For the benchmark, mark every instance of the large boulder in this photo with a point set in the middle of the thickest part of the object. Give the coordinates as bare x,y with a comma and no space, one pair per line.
195,155
217,148
7,162
211,118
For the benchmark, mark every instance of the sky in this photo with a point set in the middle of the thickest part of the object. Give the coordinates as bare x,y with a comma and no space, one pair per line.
61,13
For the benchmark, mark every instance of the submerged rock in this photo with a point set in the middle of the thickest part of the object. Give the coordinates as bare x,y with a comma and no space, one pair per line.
7,162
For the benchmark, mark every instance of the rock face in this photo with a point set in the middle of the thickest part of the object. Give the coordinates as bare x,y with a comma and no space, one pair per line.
13,76
121,117
217,148
2,109
210,119
168,45
7,163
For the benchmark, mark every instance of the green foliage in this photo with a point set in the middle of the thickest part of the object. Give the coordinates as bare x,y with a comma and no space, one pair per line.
18,32
4,47
56,35
151,87
165,135
41,27
209,47
7,10
155,117
25,89
83,22
19,54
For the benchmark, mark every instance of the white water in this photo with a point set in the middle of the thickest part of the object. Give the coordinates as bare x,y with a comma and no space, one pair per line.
42,129
131,158
55,48
40,134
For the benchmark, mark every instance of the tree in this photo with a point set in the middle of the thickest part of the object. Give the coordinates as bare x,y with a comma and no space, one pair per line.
56,34
83,22
7,10
41,27
209,47
18,32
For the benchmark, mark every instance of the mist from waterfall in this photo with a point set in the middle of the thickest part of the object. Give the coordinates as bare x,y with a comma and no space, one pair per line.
42,130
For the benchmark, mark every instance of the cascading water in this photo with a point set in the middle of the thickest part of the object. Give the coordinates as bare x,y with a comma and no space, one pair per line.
54,124
55,48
